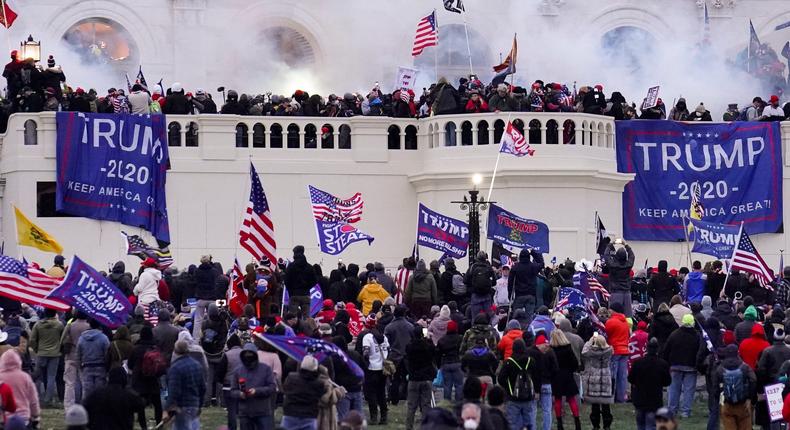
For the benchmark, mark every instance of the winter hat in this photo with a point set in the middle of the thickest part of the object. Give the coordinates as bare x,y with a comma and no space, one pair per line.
328,303
706,301
700,109
616,307
309,363
176,87
750,314
371,321
452,327
728,337
688,320
324,329
652,346
139,311
774,98
51,61
435,310
541,340
59,260
181,347
642,325
444,312
513,325
148,262
76,415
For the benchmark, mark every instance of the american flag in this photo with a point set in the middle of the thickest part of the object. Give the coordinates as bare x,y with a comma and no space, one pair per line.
596,287
401,281
570,298
151,312
427,34
746,258
513,142
327,207
135,245
27,284
257,230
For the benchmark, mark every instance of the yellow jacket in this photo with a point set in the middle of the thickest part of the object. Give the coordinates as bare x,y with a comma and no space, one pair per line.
369,294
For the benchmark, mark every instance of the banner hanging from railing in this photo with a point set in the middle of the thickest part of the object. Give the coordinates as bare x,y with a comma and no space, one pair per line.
737,166
114,167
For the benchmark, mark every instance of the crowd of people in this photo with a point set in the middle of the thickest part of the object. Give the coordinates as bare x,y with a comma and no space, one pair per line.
33,88
491,348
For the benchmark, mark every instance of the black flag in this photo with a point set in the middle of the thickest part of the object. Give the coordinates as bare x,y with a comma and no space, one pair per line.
458,8
601,238
501,256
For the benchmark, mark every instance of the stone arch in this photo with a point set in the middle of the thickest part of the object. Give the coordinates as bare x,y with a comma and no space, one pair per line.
393,137
629,16
410,138
482,132
31,132
258,135
101,40
242,136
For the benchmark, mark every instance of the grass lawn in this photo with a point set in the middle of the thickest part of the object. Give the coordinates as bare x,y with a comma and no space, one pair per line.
214,418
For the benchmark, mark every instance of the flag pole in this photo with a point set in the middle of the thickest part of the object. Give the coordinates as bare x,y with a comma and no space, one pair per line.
5,24
686,233
436,49
496,165
468,46
729,266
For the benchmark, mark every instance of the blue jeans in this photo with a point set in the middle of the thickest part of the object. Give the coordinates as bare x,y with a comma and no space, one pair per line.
349,402
619,368
646,420
546,403
520,414
47,369
681,390
255,423
294,423
93,377
713,409
232,406
481,303
187,419
453,377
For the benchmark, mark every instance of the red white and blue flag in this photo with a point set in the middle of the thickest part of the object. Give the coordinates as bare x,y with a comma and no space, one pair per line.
298,347
513,142
427,34
327,207
747,259
237,296
257,229
28,284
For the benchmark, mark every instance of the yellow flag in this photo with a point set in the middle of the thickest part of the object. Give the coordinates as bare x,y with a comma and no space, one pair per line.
30,234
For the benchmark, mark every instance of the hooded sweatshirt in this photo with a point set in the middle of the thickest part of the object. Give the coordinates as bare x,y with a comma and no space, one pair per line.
92,348
523,278
369,294
147,289
750,349
438,327
256,376
694,286
617,333
121,280
421,286
744,328
25,394
707,307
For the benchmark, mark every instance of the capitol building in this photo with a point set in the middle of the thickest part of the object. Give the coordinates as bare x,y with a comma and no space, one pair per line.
338,46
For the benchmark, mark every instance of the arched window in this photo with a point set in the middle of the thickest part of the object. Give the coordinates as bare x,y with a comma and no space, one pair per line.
293,136
534,132
258,136
569,132
452,58
276,136
310,136
499,128
345,137
192,134
174,134
103,41
31,132
449,134
411,137
242,139
552,137
466,133
327,136
482,133
393,137
286,45
628,47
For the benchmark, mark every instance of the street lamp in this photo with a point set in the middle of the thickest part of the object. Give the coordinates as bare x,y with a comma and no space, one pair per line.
30,49
473,205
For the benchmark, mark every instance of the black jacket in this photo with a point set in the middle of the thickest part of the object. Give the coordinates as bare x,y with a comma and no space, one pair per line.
300,277
479,362
112,407
446,100
547,366
662,327
662,287
477,270
649,375
681,347
177,104
448,348
563,383
419,360
206,282
619,264
120,279
302,391
343,374
524,275
510,370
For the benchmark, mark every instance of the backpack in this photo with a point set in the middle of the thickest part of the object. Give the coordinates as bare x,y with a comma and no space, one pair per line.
481,279
211,341
459,288
522,389
154,363
735,386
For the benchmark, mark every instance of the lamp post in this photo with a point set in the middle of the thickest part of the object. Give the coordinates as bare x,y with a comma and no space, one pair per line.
30,49
473,205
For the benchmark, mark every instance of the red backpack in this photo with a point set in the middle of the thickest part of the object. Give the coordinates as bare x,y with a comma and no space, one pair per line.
154,363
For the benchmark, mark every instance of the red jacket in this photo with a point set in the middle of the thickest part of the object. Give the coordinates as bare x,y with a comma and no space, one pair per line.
617,333
751,348
637,346
506,344
481,107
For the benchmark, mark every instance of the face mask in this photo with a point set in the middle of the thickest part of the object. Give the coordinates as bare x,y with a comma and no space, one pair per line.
470,424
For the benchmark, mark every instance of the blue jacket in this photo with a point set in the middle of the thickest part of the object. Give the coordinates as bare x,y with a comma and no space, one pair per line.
92,348
695,287
185,384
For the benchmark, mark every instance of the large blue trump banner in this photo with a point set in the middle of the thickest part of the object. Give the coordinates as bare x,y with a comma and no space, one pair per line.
736,167
90,292
510,229
114,167
442,233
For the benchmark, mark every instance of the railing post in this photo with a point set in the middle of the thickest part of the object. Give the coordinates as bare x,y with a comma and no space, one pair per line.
475,137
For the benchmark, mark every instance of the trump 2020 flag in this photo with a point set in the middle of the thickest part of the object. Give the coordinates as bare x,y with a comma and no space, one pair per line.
316,300
513,142
710,238
442,233
335,236
90,292
298,347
